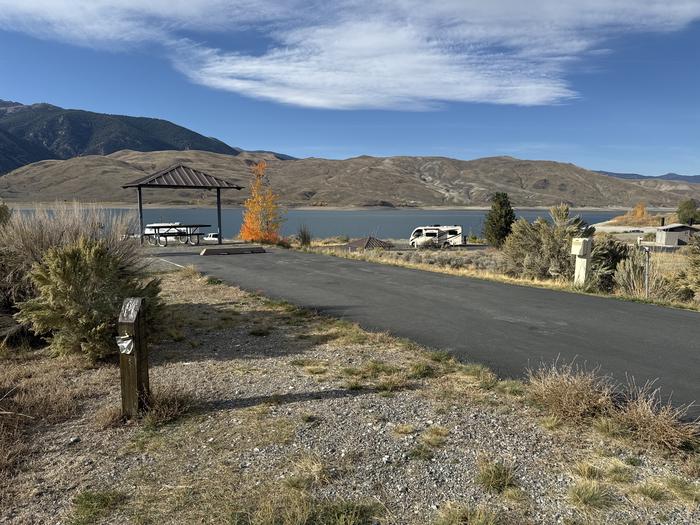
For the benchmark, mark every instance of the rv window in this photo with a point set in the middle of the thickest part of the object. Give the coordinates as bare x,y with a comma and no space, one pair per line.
417,233
452,232
431,234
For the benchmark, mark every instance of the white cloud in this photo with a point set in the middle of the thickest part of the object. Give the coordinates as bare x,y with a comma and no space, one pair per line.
348,54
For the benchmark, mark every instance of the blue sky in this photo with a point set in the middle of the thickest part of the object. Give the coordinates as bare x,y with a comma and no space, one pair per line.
614,87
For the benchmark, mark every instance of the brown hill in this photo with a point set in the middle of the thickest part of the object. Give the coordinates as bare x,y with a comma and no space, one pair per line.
360,181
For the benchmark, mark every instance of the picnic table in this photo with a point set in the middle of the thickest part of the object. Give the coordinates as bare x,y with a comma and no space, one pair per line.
158,234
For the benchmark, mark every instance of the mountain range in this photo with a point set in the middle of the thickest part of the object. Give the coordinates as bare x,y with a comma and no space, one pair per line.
51,153
693,179
30,133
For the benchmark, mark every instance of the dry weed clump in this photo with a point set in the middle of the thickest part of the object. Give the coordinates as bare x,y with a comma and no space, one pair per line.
575,395
569,392
648,420
167,404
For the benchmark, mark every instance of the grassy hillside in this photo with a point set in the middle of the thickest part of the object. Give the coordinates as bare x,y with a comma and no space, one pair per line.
360,181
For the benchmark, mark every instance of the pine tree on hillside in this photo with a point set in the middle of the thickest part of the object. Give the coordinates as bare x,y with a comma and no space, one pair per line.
499,220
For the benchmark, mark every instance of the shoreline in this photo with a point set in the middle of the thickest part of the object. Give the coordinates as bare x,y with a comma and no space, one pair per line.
23,205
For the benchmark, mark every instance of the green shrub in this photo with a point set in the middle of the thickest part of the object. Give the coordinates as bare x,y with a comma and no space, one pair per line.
500,218
80,290
28,236
688,211
542,249
607,253
5,214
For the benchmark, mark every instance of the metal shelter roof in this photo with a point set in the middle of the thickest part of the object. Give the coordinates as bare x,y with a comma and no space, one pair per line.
181,176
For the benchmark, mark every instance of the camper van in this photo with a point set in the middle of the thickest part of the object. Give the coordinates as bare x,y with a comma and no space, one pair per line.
437,236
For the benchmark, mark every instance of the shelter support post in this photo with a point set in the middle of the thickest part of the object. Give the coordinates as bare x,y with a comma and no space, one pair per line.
218,213
138,190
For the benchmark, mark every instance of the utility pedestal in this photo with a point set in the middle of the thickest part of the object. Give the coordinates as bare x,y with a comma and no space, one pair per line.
581,248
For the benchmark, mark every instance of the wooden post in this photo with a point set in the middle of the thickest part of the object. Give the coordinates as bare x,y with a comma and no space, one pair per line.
133,358
138,189
218,212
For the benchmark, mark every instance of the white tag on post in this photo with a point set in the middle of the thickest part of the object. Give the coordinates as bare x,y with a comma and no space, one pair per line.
125,344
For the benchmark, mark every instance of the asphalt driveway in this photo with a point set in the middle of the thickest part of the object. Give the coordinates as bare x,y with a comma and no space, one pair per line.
506,327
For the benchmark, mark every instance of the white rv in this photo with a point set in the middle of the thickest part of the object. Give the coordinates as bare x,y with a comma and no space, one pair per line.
437,236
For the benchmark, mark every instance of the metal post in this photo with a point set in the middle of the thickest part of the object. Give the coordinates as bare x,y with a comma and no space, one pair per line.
138,190
133,358
647,260
218,212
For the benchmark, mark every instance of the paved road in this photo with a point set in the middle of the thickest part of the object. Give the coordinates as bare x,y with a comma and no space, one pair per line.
503,326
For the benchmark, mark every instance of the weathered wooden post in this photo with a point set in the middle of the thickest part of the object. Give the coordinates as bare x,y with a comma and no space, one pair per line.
133,358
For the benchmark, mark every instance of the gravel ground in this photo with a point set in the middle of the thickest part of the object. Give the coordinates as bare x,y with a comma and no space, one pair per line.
282,398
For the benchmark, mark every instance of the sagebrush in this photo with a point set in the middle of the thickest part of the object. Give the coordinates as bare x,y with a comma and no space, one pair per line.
28,236
79,292
542,249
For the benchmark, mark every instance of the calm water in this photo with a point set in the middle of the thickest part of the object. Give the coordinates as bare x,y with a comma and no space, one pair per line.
390,223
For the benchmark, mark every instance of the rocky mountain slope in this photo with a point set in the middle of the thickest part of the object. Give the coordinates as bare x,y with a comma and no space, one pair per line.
29,133
360,181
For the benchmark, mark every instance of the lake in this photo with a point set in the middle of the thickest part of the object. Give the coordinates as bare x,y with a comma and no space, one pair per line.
390,223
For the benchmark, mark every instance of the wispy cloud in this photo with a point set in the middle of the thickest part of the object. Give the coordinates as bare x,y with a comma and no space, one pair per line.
348,54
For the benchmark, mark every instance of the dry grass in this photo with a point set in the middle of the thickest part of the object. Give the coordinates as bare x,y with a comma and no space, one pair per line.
652,491
587,471
575,395
466,515
591,495
36,388
435,436
295,507
167,404
649,421
309,471
684,489
90,507
570,393
495,476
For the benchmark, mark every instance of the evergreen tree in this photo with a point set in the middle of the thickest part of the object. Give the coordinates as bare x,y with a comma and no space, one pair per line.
688,211
499,220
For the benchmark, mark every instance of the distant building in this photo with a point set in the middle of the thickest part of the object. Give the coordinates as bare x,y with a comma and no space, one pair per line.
675,234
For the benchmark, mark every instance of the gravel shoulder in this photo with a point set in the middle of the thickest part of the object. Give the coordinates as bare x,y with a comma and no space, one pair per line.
284,401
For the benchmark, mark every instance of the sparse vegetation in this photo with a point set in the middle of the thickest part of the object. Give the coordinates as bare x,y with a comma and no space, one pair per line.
466,515
591,495
495,476
575,395
569,392
268,441
304,236
652,491
92,506
167,404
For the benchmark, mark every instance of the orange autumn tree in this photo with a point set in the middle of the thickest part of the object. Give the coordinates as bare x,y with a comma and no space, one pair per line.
261,219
